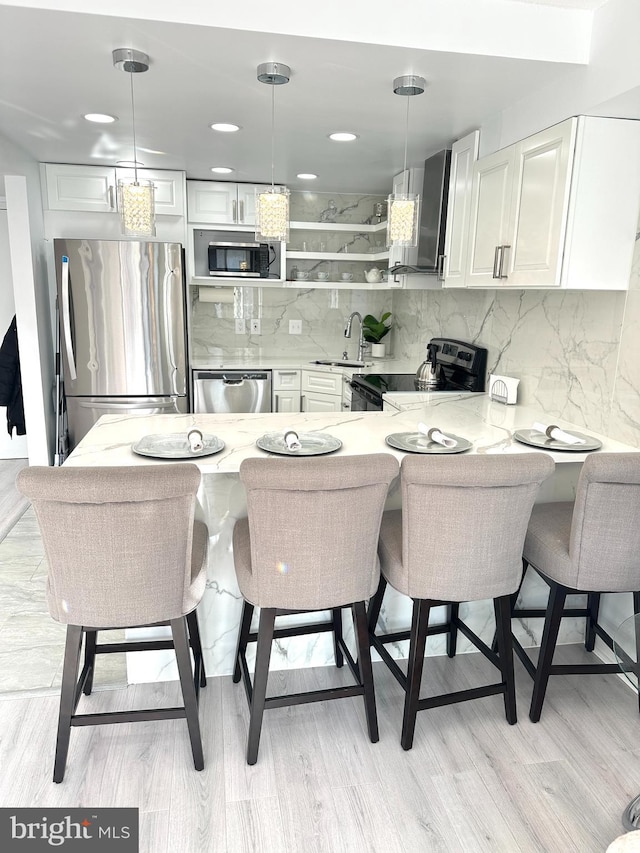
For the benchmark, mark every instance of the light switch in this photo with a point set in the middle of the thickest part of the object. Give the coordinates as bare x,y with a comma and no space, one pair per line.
255,327
295,327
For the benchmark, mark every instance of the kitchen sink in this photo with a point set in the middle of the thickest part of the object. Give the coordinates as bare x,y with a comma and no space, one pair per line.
338,363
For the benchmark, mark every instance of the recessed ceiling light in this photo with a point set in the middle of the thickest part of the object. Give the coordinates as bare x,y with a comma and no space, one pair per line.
129,164
100,118
342,136
221,170
307,176
225,128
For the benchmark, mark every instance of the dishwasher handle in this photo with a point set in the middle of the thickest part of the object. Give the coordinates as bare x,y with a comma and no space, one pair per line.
231,377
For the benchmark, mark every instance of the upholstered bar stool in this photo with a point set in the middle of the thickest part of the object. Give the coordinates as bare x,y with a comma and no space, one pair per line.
458,537
309,544
588,546
123,551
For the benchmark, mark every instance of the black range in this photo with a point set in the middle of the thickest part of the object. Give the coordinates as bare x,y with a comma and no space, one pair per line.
461,367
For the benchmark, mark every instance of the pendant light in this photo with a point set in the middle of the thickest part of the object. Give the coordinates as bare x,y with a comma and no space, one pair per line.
404,208
136,198
272,204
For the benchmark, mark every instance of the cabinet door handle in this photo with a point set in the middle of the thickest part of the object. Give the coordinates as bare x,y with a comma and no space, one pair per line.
235,210
302,399
496,255
502,248
440,268
241,211
111,201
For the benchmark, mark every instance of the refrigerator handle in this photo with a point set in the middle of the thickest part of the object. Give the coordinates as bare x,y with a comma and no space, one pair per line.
165,404
66,319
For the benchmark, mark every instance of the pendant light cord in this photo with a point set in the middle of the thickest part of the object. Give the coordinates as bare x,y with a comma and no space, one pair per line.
133,119
273,131
406,137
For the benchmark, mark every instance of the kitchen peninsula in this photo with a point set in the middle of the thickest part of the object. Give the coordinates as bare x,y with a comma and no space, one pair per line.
487,424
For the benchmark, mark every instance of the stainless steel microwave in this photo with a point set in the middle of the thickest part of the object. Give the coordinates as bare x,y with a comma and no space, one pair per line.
239,259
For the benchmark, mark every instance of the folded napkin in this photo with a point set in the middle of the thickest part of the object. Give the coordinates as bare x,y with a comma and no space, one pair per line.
194,437
553,431
434,434
291,440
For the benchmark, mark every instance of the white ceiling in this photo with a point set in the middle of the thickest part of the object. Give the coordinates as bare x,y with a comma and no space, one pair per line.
55,66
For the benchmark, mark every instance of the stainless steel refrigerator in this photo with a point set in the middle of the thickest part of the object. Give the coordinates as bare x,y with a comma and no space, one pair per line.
122,329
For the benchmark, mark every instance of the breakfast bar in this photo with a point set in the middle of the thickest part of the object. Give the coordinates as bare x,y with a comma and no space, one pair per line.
489,426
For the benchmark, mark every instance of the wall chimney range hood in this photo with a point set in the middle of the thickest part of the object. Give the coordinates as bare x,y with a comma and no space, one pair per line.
427,257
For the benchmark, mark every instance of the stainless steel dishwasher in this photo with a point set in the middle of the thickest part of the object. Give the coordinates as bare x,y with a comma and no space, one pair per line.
228,391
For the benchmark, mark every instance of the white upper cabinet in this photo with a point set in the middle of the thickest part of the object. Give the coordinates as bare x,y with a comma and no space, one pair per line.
169,193
93,188
558,209
221,202
489,216
85,188
464,153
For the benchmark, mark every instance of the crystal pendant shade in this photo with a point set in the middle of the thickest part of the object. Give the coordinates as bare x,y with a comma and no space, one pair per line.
272,213
402,220
136,203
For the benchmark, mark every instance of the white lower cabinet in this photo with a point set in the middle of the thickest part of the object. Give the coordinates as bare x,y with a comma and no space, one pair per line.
285,391
321,392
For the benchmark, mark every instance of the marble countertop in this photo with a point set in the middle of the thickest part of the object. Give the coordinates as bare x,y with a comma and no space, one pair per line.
487,424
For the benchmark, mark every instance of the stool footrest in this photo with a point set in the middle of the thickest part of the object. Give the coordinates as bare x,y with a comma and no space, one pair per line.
313,696
461,696
127,716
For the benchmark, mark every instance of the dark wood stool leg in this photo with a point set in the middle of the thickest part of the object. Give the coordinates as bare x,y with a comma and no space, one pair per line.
636,610
263,655
68,702
502,609
593,606
373,611
417,643
183,658
513,598
196,644
555,606
243,638
89,660
337,636
452,633
366,670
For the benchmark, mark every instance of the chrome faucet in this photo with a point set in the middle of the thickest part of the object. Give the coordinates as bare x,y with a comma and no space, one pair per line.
347,333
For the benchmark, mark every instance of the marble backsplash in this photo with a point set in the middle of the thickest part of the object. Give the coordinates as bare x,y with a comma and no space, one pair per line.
322,313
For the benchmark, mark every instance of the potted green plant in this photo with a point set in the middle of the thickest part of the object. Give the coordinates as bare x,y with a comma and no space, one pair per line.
374,331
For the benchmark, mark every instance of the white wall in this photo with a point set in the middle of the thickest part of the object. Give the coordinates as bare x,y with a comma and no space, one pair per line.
608,85
20,183
11,447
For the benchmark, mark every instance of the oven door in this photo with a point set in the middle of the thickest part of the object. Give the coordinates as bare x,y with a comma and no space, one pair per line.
363,400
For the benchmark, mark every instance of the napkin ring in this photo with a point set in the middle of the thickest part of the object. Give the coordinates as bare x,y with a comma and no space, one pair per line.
292,433
431,432
550,429
195,432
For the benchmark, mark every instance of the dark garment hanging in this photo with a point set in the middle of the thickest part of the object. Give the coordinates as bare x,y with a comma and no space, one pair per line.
10,381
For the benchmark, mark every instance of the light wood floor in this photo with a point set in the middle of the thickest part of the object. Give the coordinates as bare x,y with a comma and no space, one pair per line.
12,503
471,782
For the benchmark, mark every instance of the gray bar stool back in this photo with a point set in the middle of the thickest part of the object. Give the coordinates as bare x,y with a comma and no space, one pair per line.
123,550
588,546
458,537
309,543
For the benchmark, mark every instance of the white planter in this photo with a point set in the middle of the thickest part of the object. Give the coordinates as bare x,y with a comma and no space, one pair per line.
378,350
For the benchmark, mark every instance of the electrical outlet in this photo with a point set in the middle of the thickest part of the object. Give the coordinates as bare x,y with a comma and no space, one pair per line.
255,327
295,327
240,327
